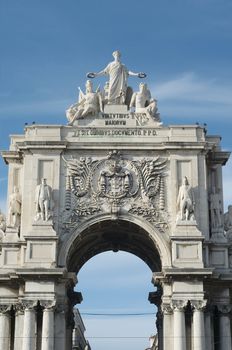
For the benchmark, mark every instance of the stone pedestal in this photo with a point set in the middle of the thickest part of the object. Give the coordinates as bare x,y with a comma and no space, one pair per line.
11,235
112,109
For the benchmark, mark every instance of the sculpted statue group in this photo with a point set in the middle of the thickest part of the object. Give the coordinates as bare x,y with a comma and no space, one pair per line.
116,92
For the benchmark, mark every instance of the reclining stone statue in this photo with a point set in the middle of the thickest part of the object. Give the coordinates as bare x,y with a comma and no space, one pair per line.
89,103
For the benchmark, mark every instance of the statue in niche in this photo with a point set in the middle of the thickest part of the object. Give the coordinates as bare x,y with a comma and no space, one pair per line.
215,209
143,103
89,103
185,201
118,75
15,203
43,200
2,222
228,222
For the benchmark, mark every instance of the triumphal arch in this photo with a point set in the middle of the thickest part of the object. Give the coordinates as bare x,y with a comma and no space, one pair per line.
115,177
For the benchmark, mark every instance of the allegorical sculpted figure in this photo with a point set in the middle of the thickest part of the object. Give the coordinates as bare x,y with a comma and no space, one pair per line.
15,208
89,103
2,222
228,220
143,102
185,201
141,99
43,198
215,209
118,75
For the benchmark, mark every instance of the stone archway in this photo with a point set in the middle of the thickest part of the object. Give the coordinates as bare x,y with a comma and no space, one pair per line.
128,233
102,234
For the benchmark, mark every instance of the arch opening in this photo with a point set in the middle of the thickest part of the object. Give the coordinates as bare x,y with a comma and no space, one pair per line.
110,235
115,307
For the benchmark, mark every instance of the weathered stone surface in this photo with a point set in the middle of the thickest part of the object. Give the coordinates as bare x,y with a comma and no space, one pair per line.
114,177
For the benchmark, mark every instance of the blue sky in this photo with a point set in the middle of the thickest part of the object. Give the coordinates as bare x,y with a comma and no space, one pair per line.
184,46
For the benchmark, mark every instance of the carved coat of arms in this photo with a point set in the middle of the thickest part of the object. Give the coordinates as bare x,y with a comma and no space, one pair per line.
115,185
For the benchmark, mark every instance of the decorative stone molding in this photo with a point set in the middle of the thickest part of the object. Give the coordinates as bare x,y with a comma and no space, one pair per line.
198,305
5,308
179,305
48,304
115,185
19,309
224,309
167,309
29,304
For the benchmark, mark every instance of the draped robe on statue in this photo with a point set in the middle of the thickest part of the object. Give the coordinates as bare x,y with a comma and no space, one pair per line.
118,75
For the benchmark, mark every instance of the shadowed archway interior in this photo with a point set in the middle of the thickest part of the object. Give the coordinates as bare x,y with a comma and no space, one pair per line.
115,236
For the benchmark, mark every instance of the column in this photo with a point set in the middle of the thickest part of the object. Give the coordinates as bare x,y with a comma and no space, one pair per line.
179,325
224,326
48,326
159,327
29,326
167,326
19,319
198,324
60,328
209,331
5,327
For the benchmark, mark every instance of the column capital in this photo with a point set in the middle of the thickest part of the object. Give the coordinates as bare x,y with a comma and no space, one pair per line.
29,304
198,305
48,305
19,309
224,308
5,308
167,309
179,305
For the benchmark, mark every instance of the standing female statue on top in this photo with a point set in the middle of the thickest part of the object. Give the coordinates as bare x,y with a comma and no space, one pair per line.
118,74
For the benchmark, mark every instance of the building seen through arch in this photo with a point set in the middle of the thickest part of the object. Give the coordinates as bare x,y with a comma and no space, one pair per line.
115,178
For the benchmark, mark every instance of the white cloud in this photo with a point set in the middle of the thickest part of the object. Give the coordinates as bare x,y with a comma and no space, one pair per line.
36,107
189,95
190,87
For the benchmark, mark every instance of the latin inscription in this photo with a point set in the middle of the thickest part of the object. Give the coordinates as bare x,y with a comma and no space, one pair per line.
83,132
